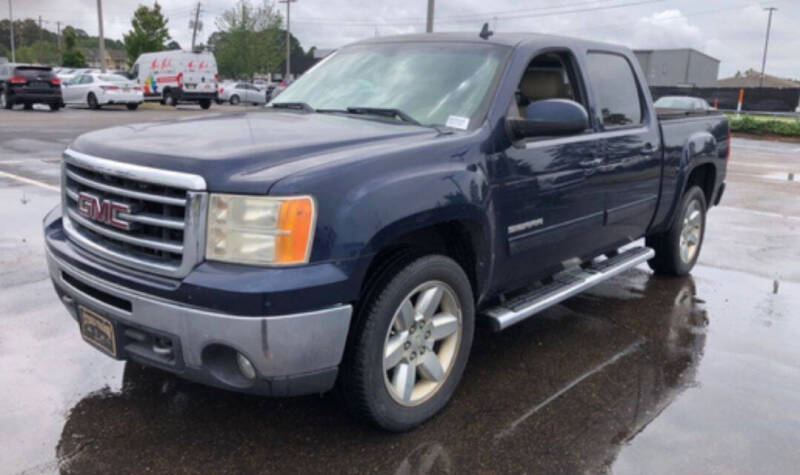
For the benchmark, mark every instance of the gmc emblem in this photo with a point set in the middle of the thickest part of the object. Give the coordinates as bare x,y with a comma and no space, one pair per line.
103,211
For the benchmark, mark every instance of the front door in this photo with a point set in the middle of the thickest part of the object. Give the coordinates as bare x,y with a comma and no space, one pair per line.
550,203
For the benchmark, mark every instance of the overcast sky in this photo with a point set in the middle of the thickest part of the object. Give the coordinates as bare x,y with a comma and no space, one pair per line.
730,30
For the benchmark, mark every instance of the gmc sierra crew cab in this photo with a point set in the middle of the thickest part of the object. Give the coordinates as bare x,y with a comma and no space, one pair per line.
400,192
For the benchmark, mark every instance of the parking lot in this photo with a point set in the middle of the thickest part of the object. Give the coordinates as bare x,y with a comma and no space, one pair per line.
641,374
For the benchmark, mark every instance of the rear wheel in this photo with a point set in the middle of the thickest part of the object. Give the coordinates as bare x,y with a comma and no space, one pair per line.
172,98
234,100
28,106
411,343
678,248
55,107
205,103
92,101
4,102
132,107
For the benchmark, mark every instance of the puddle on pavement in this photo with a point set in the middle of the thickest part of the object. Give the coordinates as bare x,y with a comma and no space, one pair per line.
623,378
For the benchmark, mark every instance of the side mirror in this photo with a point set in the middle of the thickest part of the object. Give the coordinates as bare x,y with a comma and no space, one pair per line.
549,117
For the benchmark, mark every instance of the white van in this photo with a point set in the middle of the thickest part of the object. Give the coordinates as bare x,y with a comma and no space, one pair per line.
177,76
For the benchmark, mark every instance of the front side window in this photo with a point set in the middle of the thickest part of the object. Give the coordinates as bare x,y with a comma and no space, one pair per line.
430,82
615,89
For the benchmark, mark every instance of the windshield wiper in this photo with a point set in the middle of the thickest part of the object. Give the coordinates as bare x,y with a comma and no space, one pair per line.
293,105
384,111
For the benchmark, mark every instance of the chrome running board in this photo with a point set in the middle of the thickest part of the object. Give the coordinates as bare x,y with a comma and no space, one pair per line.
565,285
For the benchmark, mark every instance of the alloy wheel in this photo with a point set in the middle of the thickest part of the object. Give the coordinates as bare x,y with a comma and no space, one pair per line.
691,231
422,343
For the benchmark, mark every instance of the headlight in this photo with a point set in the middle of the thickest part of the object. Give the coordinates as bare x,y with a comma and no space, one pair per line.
260,230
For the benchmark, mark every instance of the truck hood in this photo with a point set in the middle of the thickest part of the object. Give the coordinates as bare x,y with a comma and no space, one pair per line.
231,151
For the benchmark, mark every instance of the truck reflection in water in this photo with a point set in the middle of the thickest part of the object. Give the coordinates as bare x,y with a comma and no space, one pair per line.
561,392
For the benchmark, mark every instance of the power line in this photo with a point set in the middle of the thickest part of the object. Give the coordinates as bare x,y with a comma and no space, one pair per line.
504,16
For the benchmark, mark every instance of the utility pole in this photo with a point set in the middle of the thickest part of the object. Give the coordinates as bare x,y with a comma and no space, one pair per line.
11,24
288,39
102,41
41,33
58,34
429,25
766,45
195,24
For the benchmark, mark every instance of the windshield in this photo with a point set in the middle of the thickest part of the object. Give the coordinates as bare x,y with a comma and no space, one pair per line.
33,72
433,83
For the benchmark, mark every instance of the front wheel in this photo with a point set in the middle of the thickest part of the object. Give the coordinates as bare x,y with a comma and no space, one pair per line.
205,103
132,107
678,248
234,100
55,107
411,344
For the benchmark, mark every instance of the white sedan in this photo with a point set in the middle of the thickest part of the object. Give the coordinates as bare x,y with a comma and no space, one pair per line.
96,90
241,92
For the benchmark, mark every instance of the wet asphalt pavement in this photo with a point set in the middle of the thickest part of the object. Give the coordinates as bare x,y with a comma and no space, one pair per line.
641,374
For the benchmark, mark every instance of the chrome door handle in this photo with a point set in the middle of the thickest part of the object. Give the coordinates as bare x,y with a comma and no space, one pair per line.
591,163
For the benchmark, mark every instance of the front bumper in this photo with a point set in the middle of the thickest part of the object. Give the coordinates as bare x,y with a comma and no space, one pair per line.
292,354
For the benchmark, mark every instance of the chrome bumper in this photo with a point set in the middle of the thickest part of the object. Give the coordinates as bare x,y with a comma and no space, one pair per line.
292,354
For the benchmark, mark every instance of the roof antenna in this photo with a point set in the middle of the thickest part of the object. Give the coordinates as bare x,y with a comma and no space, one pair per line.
486,32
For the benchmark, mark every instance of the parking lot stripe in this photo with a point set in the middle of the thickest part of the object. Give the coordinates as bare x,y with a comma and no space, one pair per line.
29,181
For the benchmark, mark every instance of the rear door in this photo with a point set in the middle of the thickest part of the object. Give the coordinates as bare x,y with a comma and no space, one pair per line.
199,73
631,167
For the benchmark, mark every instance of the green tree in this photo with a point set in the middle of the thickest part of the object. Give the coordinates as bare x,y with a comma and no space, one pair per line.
173,45
42,52
249,40
149,32
72,57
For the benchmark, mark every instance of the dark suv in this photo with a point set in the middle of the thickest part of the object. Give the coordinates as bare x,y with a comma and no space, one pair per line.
29,84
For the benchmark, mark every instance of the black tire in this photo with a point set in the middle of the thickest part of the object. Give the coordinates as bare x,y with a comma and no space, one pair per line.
219,101
5,102
92,101
55,107
205,103
363,373
132,107
234,100
668,259
28,106
172,99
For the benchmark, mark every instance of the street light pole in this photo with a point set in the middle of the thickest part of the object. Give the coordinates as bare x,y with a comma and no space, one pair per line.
101,40
766,45
11,23
288,39
429,23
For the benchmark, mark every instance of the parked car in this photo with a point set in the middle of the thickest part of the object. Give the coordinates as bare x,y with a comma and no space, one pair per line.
354,232
241,92
686,103
174,76
29,84
96,90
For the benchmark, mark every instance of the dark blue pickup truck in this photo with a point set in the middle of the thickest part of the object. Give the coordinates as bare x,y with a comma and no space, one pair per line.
354,233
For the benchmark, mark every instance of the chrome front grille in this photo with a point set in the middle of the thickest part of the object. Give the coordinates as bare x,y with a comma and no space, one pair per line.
141,217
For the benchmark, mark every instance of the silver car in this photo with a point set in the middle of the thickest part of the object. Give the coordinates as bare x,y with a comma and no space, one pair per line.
241,92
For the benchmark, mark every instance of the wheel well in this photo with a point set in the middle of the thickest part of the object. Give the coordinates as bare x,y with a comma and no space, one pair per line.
454,239
704,176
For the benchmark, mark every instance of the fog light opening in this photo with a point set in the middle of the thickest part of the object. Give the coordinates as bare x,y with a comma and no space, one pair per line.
245,366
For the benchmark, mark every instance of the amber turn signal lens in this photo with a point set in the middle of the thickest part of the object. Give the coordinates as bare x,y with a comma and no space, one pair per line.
295,225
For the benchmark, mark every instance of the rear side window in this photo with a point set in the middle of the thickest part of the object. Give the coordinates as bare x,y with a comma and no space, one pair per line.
615,88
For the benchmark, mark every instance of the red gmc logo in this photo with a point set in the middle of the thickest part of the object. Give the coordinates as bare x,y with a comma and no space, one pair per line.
104,211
